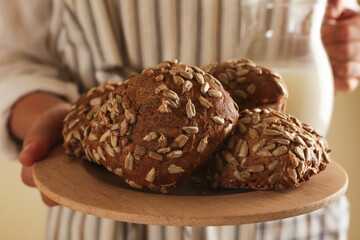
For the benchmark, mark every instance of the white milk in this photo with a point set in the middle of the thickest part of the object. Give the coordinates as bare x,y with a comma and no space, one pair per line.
311,95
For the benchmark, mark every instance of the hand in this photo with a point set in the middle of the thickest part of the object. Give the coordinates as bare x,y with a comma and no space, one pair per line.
341,40
44,132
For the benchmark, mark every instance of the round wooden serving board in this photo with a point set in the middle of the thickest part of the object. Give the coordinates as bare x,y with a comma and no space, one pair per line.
91,189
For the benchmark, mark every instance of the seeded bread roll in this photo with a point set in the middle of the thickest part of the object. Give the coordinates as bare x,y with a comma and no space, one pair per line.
80,115
161,125
267,150
250,85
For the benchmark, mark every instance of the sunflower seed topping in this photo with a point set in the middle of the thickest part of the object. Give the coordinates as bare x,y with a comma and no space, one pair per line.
269,120
242,72
110,150
114,141
162,141
301,168
257,70
186,75
200,78
251,89
223,78
105,136
129,161
264,153
245,120
140,150
164,150
256,168
218,120
150,176
202,145
205,102
270,146
273,165
92,137
241,127
95,101
230,158
293,159
173,169
175,154
273,177
244,150
190,109
238,146
288,135
124,127
292,173
271,132
241,93
215,93
299,152
279,151
282,141
73,123
300,140
180,141
237,175
178,80
162,65
134,185
160,88
191,129
119,171
259,144
199,70
101,152
172,95
205,88
155,156
159,78
150,137
253,133
228,128
186,87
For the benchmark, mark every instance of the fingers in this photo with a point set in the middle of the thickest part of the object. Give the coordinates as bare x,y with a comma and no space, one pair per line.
345,84
27,176
345,69
333,9
345,51
48,201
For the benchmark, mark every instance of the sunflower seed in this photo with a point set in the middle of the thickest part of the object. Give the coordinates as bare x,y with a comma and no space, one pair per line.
96,156
279,151
300,140
199,78
214,93
241,127
253,133
124,127
245,120
273,165
101,152
257,70
301,168
95,101
205,102
150,176
109,150
155,156
186,87
114,140
243,162
264,153
282,141
76,134
140,150
237,176
124,141
270,120
119,171
230,159
205,88
244,150
299,152
173,169
202,145
186,75
256,168
231,142
190,109
129,161
242,72
171,103
259,144
160,88
172,95
228,128
164,150
288,135
175,154
150,136
180,141
199,70
325,157
217,82
218,120
105,136
92,137
238,146
245,174
241,93
292,174
164,107
173,72
178,80
73,123
162,141
271,132
240,80
162,65
307,154
255,118
273,177
251,89
223,78
159,78
191,129
270,146
133,184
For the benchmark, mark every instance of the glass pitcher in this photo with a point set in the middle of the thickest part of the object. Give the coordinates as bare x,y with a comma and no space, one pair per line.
284,35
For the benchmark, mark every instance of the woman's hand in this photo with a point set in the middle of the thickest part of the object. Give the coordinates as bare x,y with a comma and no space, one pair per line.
341,38
37,119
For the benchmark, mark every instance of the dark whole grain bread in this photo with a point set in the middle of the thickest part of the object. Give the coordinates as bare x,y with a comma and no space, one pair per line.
80,115
250,85
159,126
267,150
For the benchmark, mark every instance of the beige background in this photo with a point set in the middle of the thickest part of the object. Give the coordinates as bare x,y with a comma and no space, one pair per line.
22,214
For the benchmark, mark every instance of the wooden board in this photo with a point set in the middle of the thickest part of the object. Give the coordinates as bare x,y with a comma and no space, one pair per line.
91,189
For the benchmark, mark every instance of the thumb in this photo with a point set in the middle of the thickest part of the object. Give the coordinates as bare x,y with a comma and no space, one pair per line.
43,135
333,9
